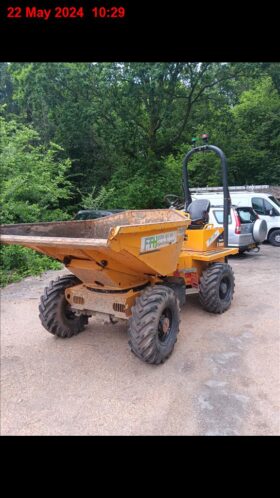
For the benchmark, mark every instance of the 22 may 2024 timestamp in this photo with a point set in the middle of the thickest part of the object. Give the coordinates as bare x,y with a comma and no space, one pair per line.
65,12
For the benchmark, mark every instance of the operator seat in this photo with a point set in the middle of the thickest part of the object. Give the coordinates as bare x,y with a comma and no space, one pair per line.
199,213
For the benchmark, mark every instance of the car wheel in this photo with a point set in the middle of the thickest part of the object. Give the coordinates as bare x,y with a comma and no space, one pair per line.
216,288
154,324
274,238
55,313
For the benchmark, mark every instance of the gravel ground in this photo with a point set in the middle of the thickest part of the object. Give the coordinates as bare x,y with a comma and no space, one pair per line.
222,378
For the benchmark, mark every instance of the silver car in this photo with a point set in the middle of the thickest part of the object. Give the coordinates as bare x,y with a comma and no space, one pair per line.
245,230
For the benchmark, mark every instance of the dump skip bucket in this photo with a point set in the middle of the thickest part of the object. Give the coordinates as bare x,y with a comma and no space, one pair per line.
120,250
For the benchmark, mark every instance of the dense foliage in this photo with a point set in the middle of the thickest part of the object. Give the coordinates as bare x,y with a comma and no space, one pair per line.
113,135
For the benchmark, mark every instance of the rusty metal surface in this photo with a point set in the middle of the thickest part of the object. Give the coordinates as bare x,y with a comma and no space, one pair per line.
34,241
114,304
92,229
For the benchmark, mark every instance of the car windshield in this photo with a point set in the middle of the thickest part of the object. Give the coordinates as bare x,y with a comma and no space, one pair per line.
86,216
273,199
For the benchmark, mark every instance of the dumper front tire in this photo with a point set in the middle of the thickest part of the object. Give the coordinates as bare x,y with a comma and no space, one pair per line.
216,288
154,324
55,313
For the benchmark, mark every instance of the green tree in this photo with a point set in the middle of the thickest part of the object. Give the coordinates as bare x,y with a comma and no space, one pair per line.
33,181
33,184
255,148
119,121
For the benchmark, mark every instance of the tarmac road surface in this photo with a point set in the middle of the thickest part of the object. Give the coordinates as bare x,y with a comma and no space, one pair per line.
223,377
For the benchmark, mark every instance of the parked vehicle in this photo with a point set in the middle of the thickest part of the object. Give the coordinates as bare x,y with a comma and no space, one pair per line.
134,266
265,204
245,229
93,214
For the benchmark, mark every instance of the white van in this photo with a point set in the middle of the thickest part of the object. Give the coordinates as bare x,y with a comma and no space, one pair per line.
266,206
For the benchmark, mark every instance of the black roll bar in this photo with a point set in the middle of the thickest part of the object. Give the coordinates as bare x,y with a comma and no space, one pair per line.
187,192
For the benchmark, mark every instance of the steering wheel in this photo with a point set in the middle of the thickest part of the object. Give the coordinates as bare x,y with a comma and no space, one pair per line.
174,201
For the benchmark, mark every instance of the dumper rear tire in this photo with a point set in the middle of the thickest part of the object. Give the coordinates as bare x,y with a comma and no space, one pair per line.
154,324
55,313
216,288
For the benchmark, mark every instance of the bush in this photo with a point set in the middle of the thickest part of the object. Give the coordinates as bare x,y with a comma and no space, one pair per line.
19,262
34,184
34,187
